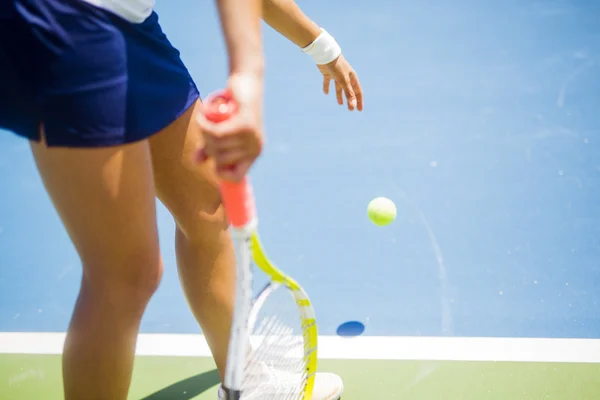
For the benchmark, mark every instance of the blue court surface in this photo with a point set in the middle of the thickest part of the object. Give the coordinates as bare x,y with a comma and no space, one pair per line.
481,122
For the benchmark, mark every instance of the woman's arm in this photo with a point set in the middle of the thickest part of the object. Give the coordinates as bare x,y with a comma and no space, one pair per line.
288,19
240,23
238,141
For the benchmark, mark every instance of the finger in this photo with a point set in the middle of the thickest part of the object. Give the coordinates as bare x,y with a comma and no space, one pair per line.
357,90
326,84
338,93
210,148
226,143
230,157
234,173
350,97
215,147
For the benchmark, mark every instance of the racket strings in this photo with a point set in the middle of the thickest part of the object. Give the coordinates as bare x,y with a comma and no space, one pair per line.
276,366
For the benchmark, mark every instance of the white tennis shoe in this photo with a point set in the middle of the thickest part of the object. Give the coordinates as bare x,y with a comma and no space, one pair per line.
328,386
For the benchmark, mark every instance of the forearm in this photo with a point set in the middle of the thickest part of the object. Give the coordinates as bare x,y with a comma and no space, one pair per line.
240,22
288,19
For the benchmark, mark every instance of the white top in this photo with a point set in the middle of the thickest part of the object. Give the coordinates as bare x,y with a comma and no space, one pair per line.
135,11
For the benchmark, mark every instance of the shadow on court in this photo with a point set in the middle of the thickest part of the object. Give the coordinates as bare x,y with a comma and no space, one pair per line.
187,388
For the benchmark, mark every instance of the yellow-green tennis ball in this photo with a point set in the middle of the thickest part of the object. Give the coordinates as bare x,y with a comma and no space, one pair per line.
381,211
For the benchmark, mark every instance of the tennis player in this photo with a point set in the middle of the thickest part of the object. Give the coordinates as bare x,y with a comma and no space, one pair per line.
111,114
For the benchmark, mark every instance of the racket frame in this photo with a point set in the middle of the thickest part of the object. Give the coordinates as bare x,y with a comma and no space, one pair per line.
306,312
247,308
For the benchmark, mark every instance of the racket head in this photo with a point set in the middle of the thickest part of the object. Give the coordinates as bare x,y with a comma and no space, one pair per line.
283,334
280,333
284,300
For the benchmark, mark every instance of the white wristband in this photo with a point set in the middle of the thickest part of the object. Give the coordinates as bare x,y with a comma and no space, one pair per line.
324,49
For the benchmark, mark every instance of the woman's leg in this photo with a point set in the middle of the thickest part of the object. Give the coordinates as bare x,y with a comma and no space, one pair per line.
106,200
205,255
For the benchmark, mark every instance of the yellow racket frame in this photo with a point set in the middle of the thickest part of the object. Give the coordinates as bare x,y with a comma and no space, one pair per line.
306,311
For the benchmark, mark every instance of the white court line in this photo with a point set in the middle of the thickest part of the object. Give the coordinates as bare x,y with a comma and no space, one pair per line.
358,348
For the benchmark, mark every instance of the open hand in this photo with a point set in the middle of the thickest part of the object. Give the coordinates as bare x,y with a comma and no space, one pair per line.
346,82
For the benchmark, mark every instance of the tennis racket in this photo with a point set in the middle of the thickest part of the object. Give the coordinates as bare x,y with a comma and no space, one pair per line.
273,344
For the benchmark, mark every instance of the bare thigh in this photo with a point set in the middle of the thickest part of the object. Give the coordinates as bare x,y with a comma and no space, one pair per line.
106,200
188,189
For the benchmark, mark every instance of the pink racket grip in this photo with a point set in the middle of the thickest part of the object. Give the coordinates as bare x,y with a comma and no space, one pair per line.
238,200
238,197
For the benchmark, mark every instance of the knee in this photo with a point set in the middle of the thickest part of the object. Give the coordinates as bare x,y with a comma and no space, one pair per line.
131,279
207,230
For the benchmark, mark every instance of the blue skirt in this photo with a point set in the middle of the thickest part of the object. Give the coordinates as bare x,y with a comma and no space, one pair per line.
89,77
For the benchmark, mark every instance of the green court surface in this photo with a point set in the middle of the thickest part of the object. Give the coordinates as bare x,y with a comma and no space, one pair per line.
180,378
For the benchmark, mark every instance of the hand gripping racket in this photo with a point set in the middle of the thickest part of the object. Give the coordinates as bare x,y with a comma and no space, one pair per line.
273,344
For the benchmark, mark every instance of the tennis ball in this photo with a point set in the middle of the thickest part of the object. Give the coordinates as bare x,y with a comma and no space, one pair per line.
381,211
